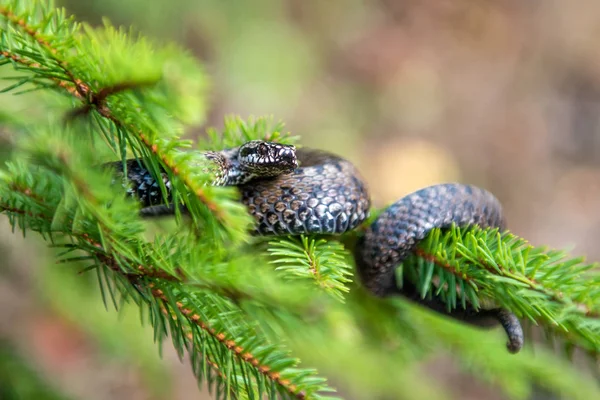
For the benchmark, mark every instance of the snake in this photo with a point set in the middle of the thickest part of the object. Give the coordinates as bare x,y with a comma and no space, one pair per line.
295,191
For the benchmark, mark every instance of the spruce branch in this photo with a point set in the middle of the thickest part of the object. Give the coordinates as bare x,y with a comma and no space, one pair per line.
324,261
124,281
238,351
129,269
545,286
92,78
208,285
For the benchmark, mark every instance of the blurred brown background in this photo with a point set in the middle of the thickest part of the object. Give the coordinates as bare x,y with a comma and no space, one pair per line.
502,94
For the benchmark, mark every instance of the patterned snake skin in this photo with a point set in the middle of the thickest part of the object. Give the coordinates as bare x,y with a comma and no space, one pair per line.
326,195
396,232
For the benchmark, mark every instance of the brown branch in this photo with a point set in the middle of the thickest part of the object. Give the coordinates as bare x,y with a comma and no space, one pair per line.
19,211
192,317
120,87
191,345
84,93
536,287
97,100
239,351
312,266
198,191
26,28
73,90
533,285
212,364
19,60
432,258
102,254
27,192
147,271
28,63
35,35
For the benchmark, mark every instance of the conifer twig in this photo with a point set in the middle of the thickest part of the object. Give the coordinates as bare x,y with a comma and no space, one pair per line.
96,100
213,294
544,286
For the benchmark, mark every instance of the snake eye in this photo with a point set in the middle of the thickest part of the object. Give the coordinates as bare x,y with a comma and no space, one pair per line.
263,150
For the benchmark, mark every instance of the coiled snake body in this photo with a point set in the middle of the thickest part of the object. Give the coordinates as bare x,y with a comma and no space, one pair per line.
326,195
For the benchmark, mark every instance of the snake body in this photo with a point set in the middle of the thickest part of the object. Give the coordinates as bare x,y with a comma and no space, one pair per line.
397,231
293,191
325,195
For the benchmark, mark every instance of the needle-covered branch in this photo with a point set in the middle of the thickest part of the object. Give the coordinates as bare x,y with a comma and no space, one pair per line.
87,222
88,65
325,262
487,268
243,308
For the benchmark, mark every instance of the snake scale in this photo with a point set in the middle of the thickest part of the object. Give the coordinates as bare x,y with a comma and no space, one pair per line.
293,191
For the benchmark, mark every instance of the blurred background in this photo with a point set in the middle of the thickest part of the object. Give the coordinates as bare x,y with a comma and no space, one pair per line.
502,94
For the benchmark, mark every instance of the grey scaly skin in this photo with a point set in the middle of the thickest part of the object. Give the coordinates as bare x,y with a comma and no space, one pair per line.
395,234
327,195
324,195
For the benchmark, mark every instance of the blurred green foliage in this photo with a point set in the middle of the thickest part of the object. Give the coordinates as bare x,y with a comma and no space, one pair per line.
19,380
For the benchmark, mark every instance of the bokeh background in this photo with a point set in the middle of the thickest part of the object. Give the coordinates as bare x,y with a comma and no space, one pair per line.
502,94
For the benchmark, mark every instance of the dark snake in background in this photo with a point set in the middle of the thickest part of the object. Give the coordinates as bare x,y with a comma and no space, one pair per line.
293,191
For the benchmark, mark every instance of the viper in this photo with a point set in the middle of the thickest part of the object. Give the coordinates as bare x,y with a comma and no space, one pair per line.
293,191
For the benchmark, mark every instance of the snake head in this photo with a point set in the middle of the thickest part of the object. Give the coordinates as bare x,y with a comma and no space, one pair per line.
267,158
